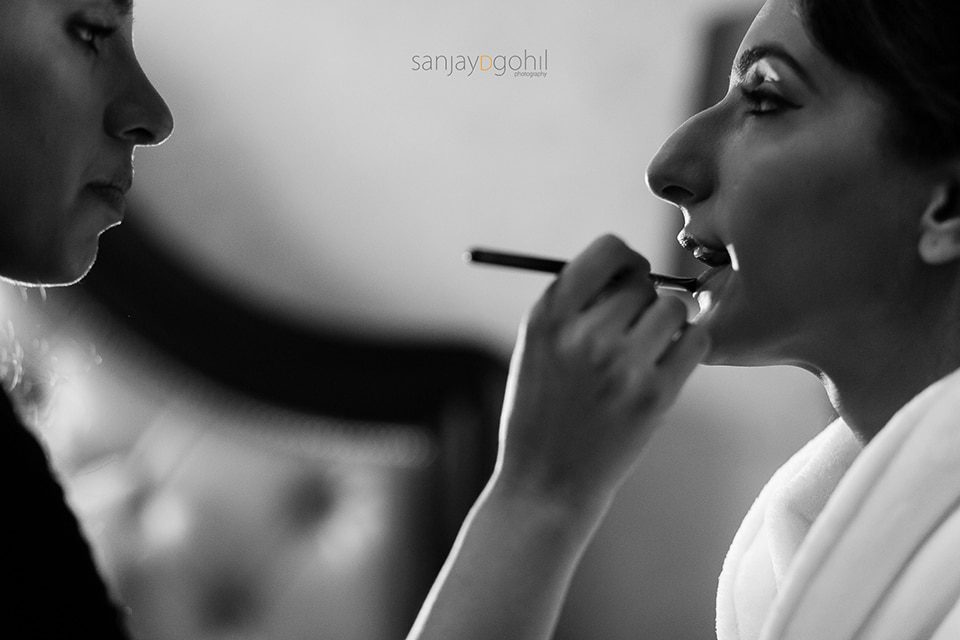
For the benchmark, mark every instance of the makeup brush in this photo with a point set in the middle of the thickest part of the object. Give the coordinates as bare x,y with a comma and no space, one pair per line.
549,265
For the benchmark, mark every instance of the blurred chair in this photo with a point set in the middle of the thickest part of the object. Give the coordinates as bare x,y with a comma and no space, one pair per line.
303,482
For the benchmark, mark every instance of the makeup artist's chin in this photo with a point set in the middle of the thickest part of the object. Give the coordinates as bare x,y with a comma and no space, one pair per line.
64,273
95,216
49,275
71,265
80,261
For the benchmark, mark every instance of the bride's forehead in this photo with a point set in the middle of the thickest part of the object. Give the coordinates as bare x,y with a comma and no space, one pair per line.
782,21
780,24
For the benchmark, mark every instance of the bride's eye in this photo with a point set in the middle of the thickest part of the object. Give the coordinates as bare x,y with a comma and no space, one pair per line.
763,102
756,89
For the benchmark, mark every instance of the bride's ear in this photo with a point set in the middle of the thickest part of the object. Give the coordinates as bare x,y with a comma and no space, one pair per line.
940,226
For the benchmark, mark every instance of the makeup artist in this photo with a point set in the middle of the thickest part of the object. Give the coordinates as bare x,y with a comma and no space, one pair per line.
74,103
823,194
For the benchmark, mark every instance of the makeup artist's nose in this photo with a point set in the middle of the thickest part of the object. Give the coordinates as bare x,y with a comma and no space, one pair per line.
138,114
682,171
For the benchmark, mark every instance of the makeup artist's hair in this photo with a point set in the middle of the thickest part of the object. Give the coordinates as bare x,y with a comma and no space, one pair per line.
911,50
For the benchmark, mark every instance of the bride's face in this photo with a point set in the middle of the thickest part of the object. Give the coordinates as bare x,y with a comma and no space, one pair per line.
791,187
74,103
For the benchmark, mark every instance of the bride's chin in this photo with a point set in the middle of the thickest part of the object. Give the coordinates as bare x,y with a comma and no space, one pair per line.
721,356
733,339
736,343
711,310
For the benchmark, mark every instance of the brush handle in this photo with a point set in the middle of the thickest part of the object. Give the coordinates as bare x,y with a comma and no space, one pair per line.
550,265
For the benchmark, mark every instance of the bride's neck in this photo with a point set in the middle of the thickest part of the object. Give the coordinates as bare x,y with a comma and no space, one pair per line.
886,367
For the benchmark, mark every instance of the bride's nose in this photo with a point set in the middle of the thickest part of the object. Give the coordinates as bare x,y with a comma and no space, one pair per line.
683,171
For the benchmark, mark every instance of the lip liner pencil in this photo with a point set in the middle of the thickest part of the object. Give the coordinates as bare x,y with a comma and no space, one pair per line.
549,265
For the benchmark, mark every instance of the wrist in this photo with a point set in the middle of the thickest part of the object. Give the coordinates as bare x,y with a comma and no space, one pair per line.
556,508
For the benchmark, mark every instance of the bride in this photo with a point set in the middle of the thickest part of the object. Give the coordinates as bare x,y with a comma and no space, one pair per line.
823,195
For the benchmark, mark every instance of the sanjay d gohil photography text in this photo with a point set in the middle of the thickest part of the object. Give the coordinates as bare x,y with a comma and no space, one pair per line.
527,65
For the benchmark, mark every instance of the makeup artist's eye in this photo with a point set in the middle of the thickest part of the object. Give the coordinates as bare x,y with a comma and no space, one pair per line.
90,34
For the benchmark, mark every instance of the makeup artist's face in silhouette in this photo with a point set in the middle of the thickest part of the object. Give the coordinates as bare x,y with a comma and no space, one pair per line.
74,103
791,176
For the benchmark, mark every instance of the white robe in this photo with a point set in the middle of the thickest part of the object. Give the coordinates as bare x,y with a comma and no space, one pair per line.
848,542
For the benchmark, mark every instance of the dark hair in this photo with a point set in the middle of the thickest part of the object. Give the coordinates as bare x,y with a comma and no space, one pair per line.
911,50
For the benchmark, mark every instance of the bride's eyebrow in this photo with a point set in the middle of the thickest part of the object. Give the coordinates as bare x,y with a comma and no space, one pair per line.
753,54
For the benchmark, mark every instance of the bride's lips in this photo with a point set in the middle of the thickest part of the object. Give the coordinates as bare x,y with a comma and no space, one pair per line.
720,261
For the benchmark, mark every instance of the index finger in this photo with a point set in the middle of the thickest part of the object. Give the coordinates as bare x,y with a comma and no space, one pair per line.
587,275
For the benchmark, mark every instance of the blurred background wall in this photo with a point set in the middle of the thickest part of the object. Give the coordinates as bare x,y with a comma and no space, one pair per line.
316,175
314,169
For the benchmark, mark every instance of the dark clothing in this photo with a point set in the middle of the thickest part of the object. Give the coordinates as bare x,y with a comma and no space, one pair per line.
53,588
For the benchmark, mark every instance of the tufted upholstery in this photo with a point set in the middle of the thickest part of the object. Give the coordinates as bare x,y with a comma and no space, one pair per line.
227,520
240,476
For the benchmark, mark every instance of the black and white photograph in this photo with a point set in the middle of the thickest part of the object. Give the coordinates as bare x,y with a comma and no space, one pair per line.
421,320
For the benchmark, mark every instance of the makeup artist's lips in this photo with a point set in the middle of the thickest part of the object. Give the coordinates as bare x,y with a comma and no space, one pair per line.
111,194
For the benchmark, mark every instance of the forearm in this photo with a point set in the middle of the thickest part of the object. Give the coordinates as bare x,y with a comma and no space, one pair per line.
508,572
598,360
